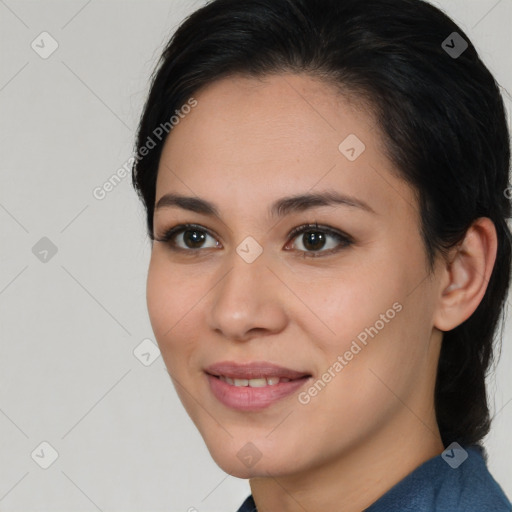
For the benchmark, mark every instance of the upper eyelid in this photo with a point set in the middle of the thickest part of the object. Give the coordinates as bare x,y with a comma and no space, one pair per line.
296,231
180,228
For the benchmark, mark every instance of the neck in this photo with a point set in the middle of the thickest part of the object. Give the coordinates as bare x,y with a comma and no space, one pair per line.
352,481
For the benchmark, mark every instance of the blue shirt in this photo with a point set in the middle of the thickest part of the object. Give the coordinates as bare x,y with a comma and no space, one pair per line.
441,484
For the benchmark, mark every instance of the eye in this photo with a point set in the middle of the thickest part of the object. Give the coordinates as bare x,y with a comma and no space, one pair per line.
315,239
191,237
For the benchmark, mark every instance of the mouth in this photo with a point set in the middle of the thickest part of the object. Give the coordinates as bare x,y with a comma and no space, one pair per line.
256,383
253,386
254,374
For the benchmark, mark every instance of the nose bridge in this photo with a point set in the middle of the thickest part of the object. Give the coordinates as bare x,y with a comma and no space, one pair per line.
248,262
240,287
245,299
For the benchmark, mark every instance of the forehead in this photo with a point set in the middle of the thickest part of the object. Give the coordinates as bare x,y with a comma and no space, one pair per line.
251,140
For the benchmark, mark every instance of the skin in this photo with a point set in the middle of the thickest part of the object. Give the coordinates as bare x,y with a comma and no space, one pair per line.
374,422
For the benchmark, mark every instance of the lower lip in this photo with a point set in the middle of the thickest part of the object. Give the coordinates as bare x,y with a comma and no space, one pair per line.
245,398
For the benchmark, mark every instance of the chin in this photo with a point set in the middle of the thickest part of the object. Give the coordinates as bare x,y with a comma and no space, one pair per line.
235,468
248,461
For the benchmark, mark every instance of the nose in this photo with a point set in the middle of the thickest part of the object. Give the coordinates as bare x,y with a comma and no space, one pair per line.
248,301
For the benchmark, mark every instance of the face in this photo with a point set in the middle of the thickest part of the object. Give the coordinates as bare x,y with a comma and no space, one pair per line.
342,308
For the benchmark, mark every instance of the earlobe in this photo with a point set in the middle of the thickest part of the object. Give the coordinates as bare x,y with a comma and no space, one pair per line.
466,275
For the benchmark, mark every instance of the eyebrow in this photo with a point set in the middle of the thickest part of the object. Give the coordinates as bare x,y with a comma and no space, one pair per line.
279,208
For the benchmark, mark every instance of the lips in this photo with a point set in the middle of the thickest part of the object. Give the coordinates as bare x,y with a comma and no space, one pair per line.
252,387
254,371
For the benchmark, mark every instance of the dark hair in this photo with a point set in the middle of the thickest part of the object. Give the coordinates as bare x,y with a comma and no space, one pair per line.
441,115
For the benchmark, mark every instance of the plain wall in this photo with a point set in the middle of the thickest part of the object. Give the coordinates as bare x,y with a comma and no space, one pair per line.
69,325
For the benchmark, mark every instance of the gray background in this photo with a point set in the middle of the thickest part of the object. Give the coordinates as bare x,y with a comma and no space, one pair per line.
70,323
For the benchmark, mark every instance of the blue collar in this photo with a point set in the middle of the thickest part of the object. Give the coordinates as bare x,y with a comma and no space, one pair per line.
455,480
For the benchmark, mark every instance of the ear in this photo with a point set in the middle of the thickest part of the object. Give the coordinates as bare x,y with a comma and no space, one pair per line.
465,275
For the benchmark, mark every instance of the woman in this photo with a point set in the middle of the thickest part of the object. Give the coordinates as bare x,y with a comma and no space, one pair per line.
325,188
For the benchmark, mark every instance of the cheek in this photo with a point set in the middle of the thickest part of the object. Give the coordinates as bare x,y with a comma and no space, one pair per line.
350,303
378,319
383,357
170,300
160,298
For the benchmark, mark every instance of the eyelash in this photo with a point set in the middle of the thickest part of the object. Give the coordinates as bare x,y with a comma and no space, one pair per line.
344,240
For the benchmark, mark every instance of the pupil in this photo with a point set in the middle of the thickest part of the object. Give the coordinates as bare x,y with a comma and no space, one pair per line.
314,240
196,239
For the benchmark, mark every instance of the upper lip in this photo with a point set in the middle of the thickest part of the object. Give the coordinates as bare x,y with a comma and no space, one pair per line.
253,370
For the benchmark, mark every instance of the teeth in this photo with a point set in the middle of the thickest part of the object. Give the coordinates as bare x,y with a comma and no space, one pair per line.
258,383
254,383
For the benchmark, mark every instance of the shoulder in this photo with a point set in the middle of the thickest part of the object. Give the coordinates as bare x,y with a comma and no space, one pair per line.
470,486
455,481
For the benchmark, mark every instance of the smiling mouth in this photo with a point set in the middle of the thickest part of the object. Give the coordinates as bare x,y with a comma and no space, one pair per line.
256,383
253,387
